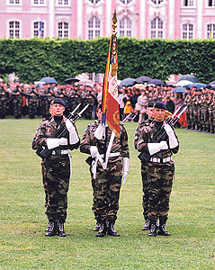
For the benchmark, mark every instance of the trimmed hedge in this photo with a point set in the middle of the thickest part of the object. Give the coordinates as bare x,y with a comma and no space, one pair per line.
33,59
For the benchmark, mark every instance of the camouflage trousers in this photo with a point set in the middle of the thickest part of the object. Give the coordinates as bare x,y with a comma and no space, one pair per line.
145,201
56,174
158,187
106,192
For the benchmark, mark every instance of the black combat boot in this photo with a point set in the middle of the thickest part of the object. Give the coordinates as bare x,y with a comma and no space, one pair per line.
110,229
96,229
102,230
162,227
51,230
60,227
153,229
146,226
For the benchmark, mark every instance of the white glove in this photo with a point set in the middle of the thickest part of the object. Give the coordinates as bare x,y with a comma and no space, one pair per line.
125,164
173,141
168,129
94,151
163,145
52,143
157,147
73,136
63,141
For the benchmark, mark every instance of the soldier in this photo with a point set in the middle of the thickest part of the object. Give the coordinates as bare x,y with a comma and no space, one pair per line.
212,115
188,99
158,166
145,201
16,102
89,99
3,102
56,167
32,100
106,182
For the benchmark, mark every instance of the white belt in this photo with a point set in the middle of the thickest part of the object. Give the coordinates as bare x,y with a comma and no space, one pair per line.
62,152
112,154
100,158
163,160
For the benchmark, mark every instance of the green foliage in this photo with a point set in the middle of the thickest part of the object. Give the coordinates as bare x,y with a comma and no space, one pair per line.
34,58
23,221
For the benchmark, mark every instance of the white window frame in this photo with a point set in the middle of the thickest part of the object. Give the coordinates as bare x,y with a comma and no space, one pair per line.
94,2
157,2
157,29
208,32
63,4
63,29
188,6
188,32
38,21
213,3
126,27
14,4
94,29
125,2
39,4
8,28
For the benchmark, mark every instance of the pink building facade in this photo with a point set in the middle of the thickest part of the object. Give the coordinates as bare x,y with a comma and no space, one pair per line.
89,19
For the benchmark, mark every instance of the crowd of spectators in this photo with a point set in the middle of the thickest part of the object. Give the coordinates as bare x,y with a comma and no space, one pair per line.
29,100
32,100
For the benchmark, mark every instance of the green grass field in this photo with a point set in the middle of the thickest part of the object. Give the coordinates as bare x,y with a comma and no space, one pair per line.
23,222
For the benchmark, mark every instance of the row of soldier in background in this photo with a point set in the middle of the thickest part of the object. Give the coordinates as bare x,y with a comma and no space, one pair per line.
32,101
28,99
200,114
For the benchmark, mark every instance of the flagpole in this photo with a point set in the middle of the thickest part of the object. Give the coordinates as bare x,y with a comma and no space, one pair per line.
114,69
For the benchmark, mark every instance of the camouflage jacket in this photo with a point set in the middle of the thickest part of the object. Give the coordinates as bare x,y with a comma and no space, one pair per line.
47,129
119,145
145,133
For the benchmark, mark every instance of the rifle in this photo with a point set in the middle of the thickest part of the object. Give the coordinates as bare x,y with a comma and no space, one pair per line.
89,160
161,134
44,152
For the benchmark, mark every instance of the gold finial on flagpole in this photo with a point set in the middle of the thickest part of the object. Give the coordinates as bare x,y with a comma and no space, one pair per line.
114,20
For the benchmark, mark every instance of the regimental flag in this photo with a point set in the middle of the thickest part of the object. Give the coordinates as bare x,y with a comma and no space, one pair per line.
110,104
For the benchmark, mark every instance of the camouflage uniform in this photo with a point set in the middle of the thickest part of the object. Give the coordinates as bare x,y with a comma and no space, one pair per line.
55,170
32,102
196,112
157,172
189,111
107,182
212,116
45,99
16,102
89,99
3,102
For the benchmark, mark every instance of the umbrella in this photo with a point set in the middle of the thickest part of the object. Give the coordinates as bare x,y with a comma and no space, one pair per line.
139,86
212,84
128,82
143,79
197,85
48,80
179,90
183,83
156,82
170,83
71,80
188,77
